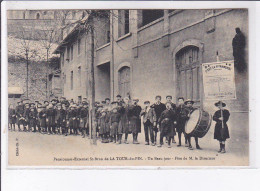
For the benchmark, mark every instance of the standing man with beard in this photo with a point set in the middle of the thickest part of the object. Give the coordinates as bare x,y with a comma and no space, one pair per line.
159,107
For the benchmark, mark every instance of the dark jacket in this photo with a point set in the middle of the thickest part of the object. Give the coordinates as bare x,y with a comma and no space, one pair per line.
158,108
219,133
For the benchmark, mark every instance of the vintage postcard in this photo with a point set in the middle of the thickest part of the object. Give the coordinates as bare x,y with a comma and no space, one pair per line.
128,87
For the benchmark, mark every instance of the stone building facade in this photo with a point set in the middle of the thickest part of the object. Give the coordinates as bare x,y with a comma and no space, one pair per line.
154,52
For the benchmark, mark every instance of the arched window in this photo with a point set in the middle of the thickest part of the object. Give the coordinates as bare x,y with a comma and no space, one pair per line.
124,81
38,16
188,80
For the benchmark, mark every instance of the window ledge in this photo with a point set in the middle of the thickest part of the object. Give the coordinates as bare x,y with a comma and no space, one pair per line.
150,24
103,46
124,36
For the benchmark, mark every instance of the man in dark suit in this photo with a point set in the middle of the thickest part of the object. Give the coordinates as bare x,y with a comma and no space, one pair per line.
149,120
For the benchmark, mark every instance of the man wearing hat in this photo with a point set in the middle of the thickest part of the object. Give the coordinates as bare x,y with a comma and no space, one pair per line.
189,105
221,132
149,120
159,107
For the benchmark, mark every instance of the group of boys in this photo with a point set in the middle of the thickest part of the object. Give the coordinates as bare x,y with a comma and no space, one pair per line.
123,117
112,120
55,117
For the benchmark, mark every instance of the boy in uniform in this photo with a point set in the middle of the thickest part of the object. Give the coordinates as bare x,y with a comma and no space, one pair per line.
51,119
182,117
26,117
159,107
149,120
190,108
32,118
114,119
169,100
11,117
166,121
19,114
84,119
42,119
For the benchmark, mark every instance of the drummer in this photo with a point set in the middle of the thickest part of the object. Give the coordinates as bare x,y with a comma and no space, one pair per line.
189,103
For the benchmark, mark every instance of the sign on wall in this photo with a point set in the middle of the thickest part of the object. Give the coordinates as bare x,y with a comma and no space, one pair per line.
219,80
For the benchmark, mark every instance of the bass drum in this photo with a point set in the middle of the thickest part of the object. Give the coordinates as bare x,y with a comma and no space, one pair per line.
198,123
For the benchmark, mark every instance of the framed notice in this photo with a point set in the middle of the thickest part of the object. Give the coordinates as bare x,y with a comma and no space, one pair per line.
219,80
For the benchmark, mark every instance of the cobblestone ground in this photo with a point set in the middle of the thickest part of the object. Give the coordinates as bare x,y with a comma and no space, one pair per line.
36,149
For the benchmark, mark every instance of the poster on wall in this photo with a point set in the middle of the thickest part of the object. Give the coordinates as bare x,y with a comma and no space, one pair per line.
219,80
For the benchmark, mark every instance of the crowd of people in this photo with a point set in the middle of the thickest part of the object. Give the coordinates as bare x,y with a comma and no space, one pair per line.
114,121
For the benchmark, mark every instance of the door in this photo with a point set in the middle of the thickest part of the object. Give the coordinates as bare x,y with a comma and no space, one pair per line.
188,80
124,81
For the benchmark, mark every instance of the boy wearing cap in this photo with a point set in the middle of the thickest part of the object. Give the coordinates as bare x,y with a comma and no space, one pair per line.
60,118
84,119
26,117
72,115
221,132
19,114
50,114
189,106
114,119
166,121
102,127
32,118
149,120
159,107
11,117
169,100
182,117
134,119
42,119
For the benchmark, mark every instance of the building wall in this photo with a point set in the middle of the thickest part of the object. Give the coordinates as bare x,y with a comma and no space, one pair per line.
37,78
149,51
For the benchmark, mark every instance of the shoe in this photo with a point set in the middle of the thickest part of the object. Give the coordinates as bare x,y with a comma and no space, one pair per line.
198,147
186,145
48,133
173,141
223,151
136,142
126,142
190,148
169,146
153,144
159,145
178,145
146,143
219,151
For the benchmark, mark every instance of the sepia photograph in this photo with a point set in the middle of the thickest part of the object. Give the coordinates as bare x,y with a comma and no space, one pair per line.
128,87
